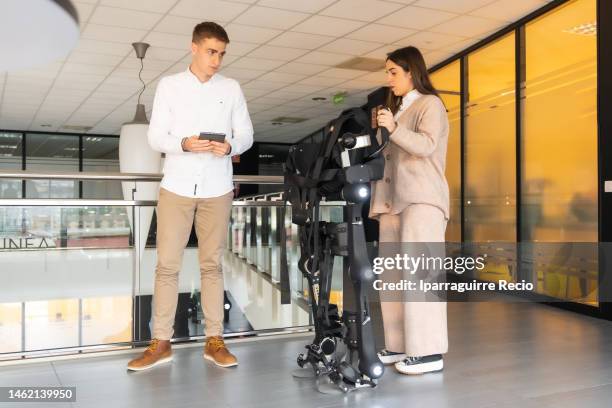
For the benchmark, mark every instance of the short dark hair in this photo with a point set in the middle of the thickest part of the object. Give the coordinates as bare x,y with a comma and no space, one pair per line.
209,29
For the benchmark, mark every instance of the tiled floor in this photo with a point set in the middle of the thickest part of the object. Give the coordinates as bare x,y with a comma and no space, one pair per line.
501,355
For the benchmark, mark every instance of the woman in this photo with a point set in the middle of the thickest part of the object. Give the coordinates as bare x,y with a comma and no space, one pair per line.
411,203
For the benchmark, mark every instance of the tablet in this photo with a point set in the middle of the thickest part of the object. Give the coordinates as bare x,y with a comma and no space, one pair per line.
215,137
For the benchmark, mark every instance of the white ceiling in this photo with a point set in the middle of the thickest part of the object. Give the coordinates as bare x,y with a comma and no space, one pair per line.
281,51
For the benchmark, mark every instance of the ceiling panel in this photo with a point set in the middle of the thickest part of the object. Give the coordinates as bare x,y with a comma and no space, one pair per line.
310,6
167,40
251,34
270,17
264,85
112,16
512,10
454,6
364,10
468,26
301,68
324,58
103,47
113,34
177,24
428,40
381,53
417,18
83,11
242,73
301,40
281,77
380,33
348,46
256,63
328,26
277,53
321,81
209,10
158,6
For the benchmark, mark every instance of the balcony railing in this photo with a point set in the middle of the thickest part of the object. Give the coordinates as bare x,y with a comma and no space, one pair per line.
77,274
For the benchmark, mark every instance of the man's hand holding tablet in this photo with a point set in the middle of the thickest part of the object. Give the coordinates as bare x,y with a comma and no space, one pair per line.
207,142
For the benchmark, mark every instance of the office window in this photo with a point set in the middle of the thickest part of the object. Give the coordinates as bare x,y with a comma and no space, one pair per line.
10,327
447,81
51,324
490,143
101,155
52,153
11,150
559,139
107,320
560,187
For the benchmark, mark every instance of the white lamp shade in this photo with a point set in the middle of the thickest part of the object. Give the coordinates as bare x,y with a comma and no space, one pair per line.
135,156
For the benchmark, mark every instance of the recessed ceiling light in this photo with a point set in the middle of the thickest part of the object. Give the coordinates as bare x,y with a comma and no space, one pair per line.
583,29
45,125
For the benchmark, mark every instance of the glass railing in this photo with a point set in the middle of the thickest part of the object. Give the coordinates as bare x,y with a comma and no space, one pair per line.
78,276
255,237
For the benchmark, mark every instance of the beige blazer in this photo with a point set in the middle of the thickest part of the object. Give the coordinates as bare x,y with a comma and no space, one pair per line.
415,161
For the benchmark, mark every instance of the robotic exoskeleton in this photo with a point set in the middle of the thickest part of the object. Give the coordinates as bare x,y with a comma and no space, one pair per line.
341,167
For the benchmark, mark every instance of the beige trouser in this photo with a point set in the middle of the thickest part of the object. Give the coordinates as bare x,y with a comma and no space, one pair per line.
414,328
175,217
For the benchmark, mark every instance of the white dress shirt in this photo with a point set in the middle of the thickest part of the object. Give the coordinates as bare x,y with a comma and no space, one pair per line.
407,100
184,107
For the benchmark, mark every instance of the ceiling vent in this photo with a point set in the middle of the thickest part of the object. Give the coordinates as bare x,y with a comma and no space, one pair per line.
77,128
288,119
363,64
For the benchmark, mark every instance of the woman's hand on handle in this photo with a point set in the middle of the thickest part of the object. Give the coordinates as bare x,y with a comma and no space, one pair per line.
386,120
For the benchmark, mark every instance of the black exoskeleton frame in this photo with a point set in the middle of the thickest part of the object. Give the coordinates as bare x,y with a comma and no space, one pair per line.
339,168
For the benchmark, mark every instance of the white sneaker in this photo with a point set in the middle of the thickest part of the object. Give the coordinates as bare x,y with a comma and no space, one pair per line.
390,357
420,365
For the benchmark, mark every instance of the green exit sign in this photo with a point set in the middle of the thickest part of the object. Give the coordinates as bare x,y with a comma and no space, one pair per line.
339,98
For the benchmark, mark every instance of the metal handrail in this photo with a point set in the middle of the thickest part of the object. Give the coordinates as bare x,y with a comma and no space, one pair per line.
107,176
73,202
238,203
54,202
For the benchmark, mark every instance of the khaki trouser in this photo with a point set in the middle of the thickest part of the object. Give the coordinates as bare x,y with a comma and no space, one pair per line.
414,328
175,217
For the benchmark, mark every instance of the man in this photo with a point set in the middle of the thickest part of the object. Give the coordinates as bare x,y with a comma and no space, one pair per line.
197,185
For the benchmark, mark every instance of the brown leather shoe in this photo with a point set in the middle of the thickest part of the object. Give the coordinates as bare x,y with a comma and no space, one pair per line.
158,352
216,351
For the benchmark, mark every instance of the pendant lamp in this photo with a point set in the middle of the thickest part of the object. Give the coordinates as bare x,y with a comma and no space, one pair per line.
135,156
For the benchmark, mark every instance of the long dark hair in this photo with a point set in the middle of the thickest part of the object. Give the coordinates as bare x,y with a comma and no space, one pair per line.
411,60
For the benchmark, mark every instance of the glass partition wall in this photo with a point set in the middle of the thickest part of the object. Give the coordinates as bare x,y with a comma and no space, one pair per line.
523,175
447,82
559,189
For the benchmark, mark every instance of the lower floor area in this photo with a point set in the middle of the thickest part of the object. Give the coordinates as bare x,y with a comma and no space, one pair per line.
501,355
